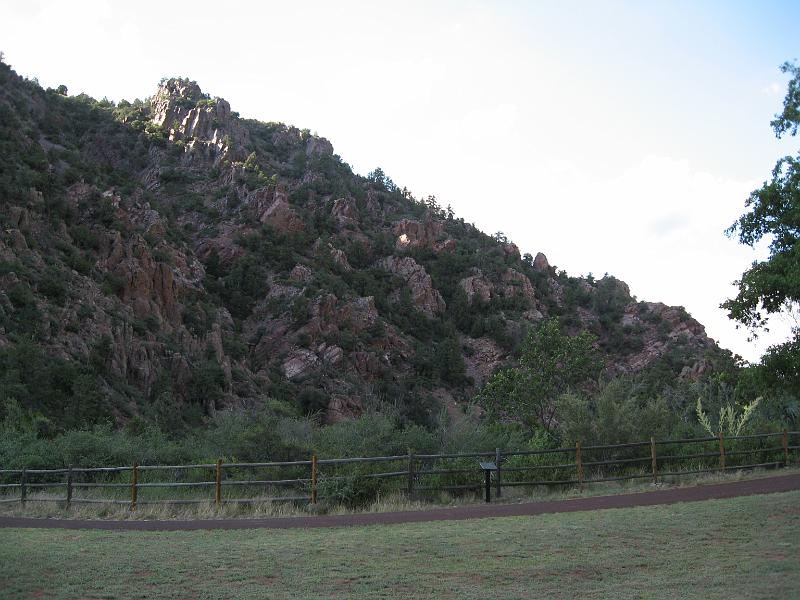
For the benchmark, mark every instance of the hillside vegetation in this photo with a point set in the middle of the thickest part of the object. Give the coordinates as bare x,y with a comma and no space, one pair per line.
169,270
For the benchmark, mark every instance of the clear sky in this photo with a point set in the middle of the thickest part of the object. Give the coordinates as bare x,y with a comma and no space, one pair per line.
618,137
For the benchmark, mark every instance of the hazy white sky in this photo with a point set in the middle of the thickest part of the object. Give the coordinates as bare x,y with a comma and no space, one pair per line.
618,137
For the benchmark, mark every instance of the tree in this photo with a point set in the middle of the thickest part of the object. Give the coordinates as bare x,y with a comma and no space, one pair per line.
773,286
551,363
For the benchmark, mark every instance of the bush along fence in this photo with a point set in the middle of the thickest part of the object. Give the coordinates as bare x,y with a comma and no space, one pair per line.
358,481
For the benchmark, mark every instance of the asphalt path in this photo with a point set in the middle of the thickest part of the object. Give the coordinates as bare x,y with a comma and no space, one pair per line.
749,487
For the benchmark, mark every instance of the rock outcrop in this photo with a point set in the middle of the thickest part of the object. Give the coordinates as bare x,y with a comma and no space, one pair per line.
345,212
423,295
300,364
195,280
204,125
515,284
415,234
540,263
477,288
280,215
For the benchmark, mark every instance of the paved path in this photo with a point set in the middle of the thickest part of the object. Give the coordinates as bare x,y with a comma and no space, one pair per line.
748,487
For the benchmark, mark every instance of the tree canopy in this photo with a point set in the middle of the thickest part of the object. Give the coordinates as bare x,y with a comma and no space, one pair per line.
551,363
773,286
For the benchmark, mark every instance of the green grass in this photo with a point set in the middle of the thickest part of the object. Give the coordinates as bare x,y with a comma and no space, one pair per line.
743,548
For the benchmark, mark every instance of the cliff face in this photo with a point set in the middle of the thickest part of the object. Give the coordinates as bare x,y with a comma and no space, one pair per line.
190,260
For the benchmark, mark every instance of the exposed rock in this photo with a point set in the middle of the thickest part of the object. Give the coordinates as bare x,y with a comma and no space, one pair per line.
215,342
331,355
340,259
679,321
345,212
477,287
338,256
359,313
132,359
511,250
448,245
16,239
515,284
423,295
224,244
269,342
366,364
533,315
694,372
588,319
540,263
147,285
483,358
204,125
324,307
281,215
140,255
372,203
316,146
413,234
19,218
300,274
300,364
343,408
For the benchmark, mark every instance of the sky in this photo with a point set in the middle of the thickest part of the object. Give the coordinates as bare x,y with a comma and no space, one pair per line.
615,137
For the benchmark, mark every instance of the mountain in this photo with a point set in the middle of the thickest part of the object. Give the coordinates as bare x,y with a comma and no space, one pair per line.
164,259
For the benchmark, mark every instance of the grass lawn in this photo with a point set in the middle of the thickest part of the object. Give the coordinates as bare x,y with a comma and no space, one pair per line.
740,548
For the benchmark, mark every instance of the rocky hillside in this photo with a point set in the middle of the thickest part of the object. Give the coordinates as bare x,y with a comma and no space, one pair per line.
167,258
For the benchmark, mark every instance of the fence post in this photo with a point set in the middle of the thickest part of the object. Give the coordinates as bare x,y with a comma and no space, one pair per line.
134,486
579,464
313,479
498,485
69,489
410,474
218,483
785,440
721,452
654,459
23,488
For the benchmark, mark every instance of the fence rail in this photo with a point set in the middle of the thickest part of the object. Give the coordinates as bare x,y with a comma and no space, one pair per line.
420,475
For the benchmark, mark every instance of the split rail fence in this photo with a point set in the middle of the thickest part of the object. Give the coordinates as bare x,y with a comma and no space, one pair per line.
416,475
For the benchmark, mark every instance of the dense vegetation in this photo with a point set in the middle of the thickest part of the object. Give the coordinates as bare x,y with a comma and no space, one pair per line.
169,295
772,286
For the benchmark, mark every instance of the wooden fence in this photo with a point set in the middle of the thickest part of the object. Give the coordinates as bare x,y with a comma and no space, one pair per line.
416,475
